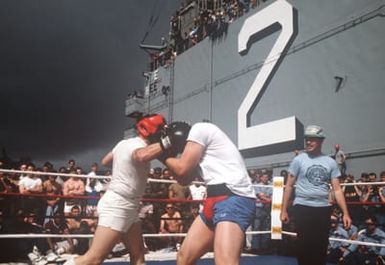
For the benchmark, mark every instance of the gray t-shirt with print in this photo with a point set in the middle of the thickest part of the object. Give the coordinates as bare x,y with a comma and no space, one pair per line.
313,176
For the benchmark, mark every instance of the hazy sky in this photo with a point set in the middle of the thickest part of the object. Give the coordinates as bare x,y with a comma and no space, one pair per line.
66,68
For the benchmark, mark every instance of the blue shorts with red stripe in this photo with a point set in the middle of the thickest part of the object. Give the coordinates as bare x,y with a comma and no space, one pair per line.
237,209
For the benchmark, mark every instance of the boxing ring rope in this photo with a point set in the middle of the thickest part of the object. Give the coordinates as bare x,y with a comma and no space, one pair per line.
355,242
276,230
41,173
84,197
7,236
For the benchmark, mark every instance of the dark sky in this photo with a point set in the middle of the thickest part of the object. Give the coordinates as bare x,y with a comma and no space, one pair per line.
66,68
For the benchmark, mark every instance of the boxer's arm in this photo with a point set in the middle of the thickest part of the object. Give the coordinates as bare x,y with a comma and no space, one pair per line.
188,161
147,153
107,159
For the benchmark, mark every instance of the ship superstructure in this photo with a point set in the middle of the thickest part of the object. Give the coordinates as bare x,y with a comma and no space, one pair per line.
278,68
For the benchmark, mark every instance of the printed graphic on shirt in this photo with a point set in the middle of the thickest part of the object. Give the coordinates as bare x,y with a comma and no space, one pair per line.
317,175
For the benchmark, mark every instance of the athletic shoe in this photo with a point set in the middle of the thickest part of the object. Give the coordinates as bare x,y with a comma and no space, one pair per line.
51,256
119,250
70,261
36,257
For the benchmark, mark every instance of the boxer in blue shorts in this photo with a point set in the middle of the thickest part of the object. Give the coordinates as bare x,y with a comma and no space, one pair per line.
230,204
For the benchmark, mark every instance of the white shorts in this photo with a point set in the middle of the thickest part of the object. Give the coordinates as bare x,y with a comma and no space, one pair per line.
117,212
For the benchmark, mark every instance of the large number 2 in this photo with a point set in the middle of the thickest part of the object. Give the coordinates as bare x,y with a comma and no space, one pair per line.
278,15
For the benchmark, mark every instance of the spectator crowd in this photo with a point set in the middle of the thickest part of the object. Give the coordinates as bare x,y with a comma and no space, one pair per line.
211,20
60,204
51,203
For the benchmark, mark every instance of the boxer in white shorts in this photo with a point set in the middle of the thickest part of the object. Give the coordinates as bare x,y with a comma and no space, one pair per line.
118,208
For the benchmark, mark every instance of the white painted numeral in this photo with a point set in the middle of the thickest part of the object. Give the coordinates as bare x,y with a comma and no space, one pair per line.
278,131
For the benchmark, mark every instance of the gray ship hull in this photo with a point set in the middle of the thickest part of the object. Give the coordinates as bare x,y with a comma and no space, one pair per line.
280,67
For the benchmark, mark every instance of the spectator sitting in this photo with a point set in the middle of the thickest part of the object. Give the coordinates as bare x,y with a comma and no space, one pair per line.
360,254
190,217
381,194
254,175
370,194
146,214
171,222
352,232
77,225
262,215
75,220
351,193
159,189
336,248
177,192
29,185
57,225
284,174
26,223
51,187
23,167
363,188
198,192
61,179
7,204
93,188
71,165
72,186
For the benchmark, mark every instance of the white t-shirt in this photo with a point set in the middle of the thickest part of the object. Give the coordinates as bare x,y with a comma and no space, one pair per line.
30,183
197,192
221,162
98,185
129,177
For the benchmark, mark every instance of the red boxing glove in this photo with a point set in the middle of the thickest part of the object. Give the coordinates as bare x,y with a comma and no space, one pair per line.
208,205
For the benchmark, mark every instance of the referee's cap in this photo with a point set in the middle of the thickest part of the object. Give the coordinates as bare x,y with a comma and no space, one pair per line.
314,131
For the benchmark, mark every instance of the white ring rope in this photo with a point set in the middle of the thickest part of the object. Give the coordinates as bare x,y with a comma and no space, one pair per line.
91,235
355,242
41,173
53,174
363,183
169,234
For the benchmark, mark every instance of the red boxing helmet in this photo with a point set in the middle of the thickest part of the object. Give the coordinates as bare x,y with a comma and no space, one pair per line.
150,125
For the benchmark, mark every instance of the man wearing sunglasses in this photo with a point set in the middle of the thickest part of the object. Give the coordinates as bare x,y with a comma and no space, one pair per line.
370,255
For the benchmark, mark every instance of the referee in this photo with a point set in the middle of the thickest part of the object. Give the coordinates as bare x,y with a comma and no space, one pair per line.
312,172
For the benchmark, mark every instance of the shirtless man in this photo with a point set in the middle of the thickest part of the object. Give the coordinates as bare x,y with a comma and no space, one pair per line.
171,222
51,187
72,187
